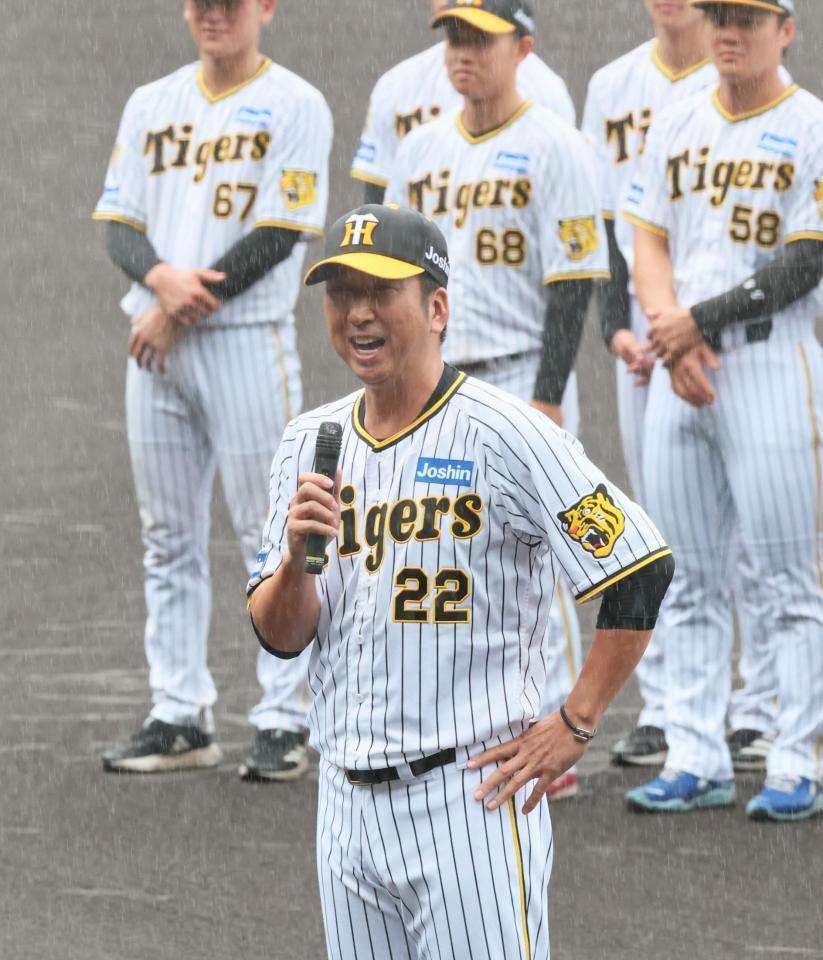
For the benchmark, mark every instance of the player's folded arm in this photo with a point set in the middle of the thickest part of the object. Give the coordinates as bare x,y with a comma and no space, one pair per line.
566,308
251,258
795,271
613,295
130,249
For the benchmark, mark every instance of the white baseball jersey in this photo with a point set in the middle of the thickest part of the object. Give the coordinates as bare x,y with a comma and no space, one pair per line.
418,90
729,191
519,209
623,98
197,172
435,599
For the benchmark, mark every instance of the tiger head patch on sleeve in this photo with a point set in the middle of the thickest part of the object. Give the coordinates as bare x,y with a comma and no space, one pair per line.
579,236
595,522
299,188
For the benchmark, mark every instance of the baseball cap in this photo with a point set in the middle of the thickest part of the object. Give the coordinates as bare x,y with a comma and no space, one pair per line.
490,16
773,6
384,242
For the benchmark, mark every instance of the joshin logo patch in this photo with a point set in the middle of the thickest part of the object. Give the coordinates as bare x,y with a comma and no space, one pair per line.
457,473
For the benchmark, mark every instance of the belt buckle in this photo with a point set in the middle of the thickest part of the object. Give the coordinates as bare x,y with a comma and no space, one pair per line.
351,776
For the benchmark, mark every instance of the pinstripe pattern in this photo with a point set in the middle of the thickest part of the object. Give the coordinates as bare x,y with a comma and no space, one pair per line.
418,89
182,427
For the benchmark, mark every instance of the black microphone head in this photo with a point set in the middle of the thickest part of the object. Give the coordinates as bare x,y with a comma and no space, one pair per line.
329,437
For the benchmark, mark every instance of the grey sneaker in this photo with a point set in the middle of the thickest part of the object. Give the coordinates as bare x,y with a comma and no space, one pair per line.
160,747
644,747
749,749
276,755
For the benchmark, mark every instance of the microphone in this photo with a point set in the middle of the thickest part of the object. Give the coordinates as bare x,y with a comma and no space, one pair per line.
326,455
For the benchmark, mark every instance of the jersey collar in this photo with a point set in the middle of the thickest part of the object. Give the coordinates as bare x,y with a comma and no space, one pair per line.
671,75
737,117
215,97
482,137
448,384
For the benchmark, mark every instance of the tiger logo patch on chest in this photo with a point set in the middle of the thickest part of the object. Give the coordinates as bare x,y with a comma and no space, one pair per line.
595,522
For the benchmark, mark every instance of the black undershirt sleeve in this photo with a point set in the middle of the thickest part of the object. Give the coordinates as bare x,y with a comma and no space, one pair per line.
612,298
130,249
562,332
251,258
634,602
374,193
793,273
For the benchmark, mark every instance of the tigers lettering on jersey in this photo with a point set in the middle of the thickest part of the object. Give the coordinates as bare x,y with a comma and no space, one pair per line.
404,123
617,133
696,172
171,148
435,195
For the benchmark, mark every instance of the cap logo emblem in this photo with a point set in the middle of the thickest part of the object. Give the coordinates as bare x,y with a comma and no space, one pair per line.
359,230
468,3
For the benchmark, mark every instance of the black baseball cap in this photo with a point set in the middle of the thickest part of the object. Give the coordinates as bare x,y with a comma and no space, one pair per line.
386,242
773,6
490,16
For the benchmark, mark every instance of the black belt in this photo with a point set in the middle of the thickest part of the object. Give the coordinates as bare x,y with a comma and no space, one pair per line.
363,778
474,367
755,333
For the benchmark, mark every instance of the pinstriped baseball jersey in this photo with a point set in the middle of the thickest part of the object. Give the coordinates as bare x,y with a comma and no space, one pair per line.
197,172
519,210
622,100
418,90
729,191
436,595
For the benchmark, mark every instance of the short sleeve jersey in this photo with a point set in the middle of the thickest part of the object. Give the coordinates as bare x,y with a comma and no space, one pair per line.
622,100
730,191
435,599
197,172
418,90
519,209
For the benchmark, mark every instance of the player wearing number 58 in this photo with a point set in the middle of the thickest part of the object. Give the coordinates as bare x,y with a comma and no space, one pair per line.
455,508
218,176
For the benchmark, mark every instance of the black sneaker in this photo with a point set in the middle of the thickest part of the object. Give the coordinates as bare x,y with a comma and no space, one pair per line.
276,755
749,749
159,747
643,747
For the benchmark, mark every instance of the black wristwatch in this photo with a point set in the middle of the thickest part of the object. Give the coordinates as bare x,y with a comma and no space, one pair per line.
580,733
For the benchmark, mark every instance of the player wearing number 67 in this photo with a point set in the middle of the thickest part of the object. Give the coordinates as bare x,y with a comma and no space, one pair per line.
218,176
455,508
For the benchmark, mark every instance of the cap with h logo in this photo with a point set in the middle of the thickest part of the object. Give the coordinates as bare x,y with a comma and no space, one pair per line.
490,16
773,6
384,242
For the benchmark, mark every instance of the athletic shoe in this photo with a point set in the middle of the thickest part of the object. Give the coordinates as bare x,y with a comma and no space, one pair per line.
644,747
675,791
160,747
785,799
276,755
563,788
749,749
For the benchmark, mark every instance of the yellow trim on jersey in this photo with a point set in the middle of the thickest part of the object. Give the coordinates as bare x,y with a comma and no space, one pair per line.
215,97
374,264
645,224
481,19
119,219
425,415
483,137
518,853
607,214
290,225
816,453
625,572
804,235
672,75
760,4
579,275
368,178
748,114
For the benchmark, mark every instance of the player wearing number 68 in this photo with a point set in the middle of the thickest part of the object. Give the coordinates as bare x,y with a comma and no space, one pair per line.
456,507
218,175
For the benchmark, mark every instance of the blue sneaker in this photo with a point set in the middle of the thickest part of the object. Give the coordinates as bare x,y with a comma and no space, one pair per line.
675,791
786,798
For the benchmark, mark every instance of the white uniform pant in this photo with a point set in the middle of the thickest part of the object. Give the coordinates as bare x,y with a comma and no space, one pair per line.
750,463
753,705
222,404
420,870
517,375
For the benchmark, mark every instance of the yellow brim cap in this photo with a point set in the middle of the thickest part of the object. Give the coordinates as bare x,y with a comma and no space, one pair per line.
481,19
373,264
756,4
